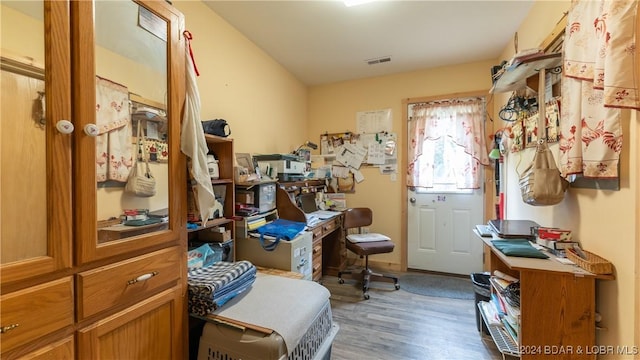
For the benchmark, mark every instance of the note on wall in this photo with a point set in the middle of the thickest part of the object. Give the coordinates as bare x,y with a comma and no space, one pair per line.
373,121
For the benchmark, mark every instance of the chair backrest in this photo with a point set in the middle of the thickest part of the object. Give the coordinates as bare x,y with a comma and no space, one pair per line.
357,217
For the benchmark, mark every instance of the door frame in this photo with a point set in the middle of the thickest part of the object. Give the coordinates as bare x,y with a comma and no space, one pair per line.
489,182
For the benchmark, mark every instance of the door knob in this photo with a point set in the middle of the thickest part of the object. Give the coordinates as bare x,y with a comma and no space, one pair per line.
412,200
64,126
91,130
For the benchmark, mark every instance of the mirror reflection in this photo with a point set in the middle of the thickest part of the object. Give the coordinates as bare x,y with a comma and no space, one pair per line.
23,213
131,123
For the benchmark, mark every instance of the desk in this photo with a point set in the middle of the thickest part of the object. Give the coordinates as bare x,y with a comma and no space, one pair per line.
557,304
329,251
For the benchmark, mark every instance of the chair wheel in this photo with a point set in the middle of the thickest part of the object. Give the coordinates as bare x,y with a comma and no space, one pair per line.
340,281
397,286
366,296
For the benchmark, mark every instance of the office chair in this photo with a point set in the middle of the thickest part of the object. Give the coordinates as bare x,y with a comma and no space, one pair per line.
365,245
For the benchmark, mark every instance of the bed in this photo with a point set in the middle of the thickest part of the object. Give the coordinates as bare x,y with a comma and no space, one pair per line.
276,318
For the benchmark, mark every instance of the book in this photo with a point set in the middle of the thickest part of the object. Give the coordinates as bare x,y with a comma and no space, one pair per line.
499,283
254,224
510,330
555,244
556,234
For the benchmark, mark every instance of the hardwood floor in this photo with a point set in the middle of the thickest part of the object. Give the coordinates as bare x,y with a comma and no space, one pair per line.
395,324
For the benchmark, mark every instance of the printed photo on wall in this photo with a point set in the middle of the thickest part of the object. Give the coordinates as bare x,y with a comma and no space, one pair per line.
516,136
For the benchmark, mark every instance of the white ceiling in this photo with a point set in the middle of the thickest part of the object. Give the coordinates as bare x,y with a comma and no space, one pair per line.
325,41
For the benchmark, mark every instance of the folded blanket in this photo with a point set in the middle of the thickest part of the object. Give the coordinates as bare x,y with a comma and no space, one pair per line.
210,287
519,248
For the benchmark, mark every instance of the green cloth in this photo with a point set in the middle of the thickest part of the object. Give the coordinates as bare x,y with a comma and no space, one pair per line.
518,247
148,221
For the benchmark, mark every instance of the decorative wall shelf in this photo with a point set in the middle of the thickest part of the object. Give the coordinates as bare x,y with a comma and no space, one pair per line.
515,76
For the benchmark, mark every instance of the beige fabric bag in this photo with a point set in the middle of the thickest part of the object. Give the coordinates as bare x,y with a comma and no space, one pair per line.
141,182
540,182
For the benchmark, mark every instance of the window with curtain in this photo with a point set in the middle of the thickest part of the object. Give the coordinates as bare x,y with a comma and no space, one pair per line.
447,145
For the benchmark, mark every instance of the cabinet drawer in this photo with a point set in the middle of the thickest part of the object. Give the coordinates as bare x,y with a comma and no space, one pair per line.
60,350
31,313
317,232
316,268
329,226
127,281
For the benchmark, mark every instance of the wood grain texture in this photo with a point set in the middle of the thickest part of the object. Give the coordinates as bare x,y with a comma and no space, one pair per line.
400,325
35,312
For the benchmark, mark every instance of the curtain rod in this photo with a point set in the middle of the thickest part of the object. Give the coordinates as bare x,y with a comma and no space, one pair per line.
450,101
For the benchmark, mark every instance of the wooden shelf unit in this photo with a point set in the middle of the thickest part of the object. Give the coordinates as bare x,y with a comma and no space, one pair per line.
522,75
557,305
222,147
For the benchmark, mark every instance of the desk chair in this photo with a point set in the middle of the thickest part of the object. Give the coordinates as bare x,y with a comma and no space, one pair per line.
365,245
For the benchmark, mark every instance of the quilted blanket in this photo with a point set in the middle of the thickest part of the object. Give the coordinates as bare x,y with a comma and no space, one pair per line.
210,287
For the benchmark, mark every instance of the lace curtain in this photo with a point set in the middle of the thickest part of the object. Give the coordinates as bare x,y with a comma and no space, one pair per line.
462,123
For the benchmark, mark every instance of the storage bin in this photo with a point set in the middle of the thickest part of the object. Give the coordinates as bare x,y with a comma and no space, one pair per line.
482,289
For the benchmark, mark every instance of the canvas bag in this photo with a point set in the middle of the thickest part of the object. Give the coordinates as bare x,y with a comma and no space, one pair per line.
140,181
218,127
541,182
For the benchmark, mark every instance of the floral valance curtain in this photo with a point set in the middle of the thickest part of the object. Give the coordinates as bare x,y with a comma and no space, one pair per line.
599,79
462,121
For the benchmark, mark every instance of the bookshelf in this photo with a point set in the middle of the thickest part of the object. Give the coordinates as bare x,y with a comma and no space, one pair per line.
557,307
223,187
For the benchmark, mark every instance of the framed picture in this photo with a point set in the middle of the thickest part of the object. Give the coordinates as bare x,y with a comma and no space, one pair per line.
531,130
552,122
516,136
246,161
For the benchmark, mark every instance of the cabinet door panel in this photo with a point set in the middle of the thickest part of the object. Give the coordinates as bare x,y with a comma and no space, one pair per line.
150,329
35,167
131,77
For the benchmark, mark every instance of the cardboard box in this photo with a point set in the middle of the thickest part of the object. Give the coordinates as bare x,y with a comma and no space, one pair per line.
213,234
244,196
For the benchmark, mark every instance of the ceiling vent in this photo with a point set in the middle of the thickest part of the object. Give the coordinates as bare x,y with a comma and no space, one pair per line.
380,60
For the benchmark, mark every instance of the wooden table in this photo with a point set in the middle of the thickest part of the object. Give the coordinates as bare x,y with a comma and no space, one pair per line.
557,306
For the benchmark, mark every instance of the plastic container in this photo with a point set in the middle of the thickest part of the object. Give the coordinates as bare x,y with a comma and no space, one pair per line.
212,165
482,289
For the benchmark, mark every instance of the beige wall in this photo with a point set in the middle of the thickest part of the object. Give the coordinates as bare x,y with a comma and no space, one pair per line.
265,105
603,221
333,108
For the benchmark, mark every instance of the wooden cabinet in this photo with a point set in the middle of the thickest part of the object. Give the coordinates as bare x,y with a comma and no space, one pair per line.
224,189
147,330
70,290
557,308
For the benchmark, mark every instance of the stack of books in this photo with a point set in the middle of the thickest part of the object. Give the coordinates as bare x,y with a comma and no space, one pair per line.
134,214
556,240
506,307
253,224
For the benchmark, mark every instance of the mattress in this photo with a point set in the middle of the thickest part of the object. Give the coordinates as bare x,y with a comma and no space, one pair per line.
253,326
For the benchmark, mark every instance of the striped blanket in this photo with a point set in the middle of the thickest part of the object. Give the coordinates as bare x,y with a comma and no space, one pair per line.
211,287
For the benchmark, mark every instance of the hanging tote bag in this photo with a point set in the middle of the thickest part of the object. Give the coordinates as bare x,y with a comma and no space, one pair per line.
140,181
540,182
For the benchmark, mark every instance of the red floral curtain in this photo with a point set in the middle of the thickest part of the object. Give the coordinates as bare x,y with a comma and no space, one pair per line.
462,121
599,79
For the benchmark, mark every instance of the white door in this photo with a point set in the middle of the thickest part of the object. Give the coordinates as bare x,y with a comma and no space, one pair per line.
439,234
441,217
